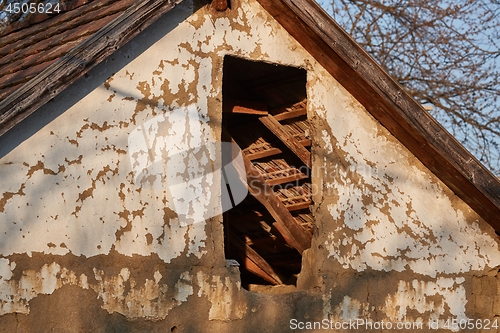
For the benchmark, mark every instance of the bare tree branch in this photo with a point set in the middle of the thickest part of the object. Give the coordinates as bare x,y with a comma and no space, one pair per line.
446,53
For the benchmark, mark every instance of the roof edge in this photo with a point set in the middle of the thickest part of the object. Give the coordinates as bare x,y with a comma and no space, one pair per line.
80,60
390,104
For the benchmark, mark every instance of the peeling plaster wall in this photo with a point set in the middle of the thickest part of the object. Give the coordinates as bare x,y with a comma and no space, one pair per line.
383,214
85,208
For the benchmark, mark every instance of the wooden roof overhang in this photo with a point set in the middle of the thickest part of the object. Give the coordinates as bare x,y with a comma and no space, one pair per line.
388,102
127,19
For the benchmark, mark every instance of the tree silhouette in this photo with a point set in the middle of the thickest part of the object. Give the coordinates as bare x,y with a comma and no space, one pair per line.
445,53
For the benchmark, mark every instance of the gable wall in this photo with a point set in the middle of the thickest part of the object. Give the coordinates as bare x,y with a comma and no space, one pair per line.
80,219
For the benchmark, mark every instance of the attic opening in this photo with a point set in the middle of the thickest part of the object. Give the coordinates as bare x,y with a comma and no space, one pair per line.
265,114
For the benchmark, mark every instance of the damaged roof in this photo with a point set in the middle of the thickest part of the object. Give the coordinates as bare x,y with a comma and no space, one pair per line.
27,52
43,59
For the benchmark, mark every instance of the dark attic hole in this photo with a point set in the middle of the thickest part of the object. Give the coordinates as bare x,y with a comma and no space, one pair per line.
265,114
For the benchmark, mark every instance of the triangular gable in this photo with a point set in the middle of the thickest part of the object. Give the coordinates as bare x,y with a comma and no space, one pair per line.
385,226
309,24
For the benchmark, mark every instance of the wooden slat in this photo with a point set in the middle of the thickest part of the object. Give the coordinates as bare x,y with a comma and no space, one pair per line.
438,150
287,179
274,126
306,142
261,154
278,171
298,206
290,114
246,107
292,232
79,61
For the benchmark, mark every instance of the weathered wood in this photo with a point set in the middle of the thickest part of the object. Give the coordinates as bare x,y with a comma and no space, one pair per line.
79,61
262,154
305,142
290,114
296,147
28,40
298,206
28,26
286,179
247,107
293,233
254,262
438,150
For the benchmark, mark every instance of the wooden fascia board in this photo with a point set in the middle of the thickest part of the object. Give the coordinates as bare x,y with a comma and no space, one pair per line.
387,101
80,60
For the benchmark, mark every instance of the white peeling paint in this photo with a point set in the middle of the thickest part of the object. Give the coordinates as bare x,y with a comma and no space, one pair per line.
349,309
432,298
122,294
15,295
94,203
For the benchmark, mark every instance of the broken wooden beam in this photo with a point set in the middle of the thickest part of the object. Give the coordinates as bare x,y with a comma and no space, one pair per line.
290,114
294,234
295,146
254,261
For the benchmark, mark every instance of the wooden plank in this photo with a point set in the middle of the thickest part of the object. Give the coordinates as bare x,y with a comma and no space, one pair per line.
306,142
290,114
287,179
274,126
438,150
298,206
246,107
262,154
26,28
79,61
292,232
254,262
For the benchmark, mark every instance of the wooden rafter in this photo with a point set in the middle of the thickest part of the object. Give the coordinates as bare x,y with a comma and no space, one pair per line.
290,114
246,107
293,233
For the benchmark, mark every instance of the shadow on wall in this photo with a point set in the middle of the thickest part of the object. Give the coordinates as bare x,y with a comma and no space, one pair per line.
95,78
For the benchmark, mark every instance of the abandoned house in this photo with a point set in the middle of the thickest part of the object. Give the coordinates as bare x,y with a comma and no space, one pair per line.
229,166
